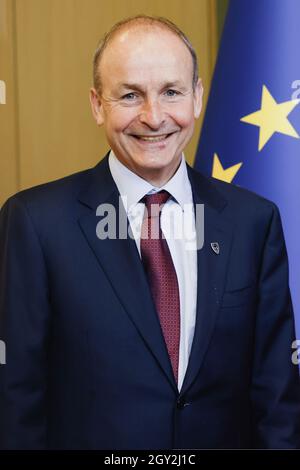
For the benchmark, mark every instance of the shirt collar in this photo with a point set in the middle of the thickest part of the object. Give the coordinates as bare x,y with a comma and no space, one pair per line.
133,187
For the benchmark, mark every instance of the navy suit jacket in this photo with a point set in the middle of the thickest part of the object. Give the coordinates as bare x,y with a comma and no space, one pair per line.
86,363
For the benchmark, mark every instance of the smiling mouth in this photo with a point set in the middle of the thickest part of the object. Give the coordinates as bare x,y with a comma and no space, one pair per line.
156,138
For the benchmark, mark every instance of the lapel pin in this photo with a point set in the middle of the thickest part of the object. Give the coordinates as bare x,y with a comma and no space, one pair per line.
215,247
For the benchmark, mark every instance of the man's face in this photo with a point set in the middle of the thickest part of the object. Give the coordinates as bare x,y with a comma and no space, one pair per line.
147,104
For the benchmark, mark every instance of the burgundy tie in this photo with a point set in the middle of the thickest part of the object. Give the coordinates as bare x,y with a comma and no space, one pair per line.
161,274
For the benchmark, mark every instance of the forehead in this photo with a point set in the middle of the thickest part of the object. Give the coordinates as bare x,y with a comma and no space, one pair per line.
148,53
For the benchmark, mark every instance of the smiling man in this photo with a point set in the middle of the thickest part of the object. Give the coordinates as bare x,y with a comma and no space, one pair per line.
145,341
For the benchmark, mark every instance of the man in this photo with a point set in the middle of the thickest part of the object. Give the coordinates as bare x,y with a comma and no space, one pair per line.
141,342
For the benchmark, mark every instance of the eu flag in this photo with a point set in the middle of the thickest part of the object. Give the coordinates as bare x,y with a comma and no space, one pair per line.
251,130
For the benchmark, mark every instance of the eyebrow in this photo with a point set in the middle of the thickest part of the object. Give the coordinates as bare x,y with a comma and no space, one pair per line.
136,86
130,86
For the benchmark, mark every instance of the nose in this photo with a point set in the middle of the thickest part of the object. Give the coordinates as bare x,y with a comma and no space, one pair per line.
152,114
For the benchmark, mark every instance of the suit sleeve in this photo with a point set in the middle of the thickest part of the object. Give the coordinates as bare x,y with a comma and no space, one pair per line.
275,381
24,319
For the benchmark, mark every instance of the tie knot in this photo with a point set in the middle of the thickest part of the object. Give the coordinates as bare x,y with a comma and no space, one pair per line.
157,199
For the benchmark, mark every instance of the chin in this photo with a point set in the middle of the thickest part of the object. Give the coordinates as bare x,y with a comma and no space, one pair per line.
154,161
154,166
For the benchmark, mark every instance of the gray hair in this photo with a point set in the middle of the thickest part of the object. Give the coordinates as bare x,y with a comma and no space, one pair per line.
149,20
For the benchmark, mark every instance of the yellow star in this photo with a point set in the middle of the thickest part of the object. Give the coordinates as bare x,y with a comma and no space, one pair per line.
224,175
271,118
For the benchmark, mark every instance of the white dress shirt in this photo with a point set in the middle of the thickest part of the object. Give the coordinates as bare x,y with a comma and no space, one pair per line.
178,227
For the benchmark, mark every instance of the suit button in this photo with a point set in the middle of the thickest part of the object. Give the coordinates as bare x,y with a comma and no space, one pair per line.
180,403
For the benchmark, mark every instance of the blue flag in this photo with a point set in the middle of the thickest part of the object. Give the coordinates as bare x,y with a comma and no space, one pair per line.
251,130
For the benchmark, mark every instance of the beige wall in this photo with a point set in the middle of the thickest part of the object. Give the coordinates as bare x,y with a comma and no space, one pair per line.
9,177
46,50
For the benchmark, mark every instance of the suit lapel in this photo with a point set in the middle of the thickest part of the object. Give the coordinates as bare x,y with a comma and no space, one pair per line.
212,268
120,261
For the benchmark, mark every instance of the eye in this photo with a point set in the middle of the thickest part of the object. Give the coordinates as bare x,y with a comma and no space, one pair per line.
171,93
129,96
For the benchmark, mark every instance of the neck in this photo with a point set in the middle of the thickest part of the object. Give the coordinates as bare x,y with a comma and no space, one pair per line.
159,177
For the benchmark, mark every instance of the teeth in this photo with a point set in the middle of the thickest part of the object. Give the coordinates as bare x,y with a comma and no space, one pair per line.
153,139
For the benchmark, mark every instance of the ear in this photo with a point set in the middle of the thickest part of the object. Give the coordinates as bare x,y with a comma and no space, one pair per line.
96,105
198,94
